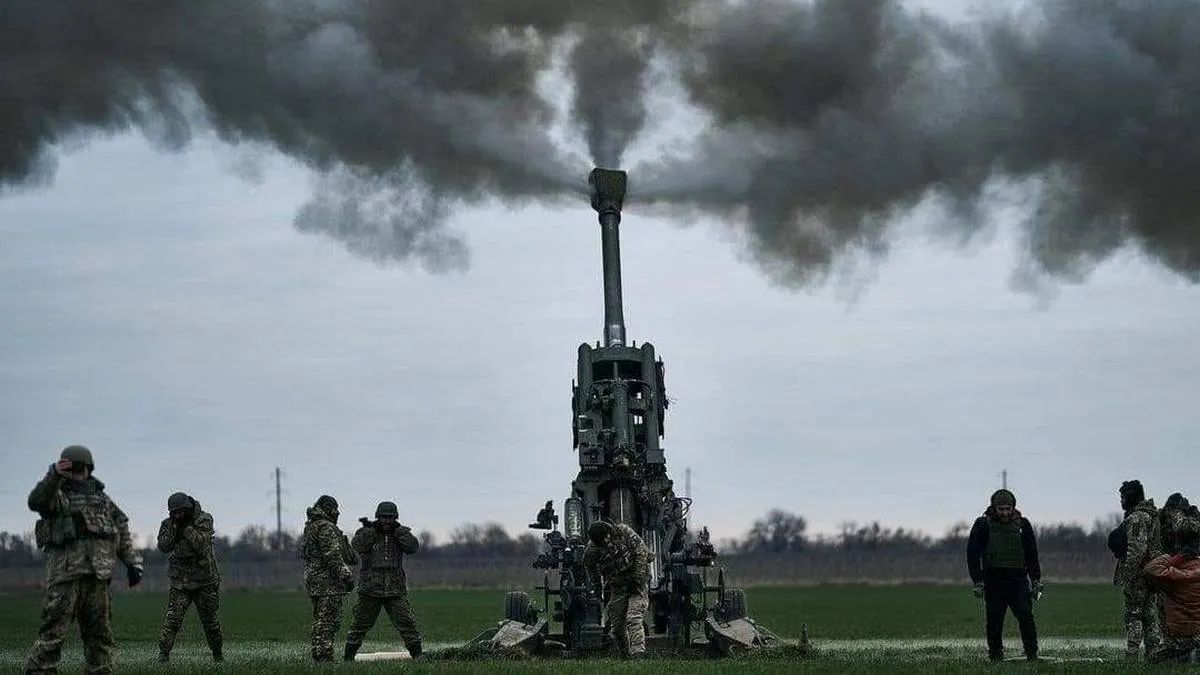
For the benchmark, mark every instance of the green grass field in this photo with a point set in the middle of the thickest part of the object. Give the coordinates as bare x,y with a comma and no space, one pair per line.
855,628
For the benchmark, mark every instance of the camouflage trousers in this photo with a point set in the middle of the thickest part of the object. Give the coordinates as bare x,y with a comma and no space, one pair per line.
88,601
366,610
327,619
207,600
1177,650
1141,619
625,614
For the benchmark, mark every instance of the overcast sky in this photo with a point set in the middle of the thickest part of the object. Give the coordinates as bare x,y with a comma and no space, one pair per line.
162,309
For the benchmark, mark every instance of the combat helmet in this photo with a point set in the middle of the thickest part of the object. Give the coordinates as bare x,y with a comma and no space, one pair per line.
178,501
78,454
387,509
599,531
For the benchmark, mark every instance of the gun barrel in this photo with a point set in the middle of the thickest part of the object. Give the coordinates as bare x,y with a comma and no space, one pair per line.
608,196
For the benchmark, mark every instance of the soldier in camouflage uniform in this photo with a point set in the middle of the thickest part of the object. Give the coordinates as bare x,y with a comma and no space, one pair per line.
328,578
83,534
1175,520
1142,543
382,545
617,557
186,537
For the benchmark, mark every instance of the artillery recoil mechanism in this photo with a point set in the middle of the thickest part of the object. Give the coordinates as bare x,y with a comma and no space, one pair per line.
619,401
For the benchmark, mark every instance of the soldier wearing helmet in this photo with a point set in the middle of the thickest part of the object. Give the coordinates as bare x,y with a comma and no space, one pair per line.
1002,558
83,534
382,544
328,577
617,558
186,536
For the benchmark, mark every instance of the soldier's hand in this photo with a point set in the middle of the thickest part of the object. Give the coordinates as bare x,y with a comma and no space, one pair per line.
1037,588
347,577
63,468
135,574
977,590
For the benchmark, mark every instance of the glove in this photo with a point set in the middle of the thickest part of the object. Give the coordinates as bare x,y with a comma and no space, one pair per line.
1037,588
977,589
135,574
346,577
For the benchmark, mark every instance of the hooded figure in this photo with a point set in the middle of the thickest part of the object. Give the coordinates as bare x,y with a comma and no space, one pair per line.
1142,543
1177,577
1002,559
328,577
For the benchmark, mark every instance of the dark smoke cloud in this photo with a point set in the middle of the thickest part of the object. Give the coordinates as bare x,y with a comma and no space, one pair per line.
833,118
830,119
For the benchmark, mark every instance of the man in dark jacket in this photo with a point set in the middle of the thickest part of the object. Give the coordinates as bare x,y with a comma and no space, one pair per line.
1177,578
1002,559
186,536
382,545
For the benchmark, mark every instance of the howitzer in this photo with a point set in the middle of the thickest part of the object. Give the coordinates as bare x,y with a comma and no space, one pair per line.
619,402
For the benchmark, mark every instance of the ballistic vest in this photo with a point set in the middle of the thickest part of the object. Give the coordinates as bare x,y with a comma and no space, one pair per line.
1005,550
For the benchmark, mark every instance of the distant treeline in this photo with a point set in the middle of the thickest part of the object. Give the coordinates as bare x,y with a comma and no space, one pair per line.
777,532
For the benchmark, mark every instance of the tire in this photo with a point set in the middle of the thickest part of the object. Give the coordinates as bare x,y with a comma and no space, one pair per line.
517,606
734,606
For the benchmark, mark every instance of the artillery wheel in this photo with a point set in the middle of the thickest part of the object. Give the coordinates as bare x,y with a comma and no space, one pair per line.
734,606
517,606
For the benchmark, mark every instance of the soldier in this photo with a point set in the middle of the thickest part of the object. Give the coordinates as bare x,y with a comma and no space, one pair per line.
1177,576
382,545
186,537
1173,521
1002,558
83,534
327,575
1142,543
617,557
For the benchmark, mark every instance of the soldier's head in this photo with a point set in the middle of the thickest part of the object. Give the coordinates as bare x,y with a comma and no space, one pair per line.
180,506
1189,541
81,461
1132,494
387,513
1004,505
599,532
329,506
1178,502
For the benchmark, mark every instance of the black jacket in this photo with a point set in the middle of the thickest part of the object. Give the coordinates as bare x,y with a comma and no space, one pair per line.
978,540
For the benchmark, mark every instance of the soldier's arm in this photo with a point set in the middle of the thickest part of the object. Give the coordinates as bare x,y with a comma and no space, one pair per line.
166,536
364,539
126,551
44,496
197,536
349,555
1137,530
329,546
407,540
1033,563
976,543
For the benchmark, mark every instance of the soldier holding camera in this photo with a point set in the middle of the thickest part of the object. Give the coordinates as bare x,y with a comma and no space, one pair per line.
382,545
83,535
328,578
186,536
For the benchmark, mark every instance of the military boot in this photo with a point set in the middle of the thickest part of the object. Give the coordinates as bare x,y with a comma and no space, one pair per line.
414,650
351,650
164,657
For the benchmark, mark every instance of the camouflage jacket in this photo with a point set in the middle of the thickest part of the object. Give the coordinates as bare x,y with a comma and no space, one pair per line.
1174,524
1144,542
623,563
190,551
382,553
81,530
327,556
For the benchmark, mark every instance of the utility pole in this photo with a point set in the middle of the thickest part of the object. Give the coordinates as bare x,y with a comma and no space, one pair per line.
1004,479
687,482
278,515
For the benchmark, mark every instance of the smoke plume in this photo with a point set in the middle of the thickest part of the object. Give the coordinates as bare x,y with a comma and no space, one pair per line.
827,119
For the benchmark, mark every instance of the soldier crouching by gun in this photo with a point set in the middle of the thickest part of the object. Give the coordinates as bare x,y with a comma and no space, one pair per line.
328,576
83,534
186,536
617,557
1002,558
382,545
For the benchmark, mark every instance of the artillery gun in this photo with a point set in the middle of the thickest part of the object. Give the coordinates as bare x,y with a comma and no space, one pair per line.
619,402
